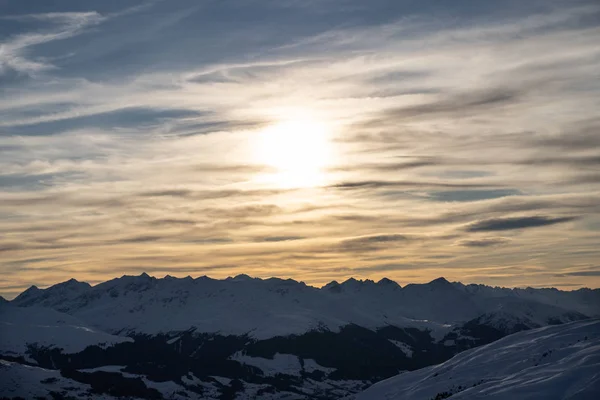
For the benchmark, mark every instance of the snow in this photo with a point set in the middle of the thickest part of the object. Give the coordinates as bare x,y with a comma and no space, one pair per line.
45,328
275,307
553,362
311,365
408,351
105,368
287,364
29,382
222,380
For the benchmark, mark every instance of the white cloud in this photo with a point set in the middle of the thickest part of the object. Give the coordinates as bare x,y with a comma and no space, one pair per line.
14,51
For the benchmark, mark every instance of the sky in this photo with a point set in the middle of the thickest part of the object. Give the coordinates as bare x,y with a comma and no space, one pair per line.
315,140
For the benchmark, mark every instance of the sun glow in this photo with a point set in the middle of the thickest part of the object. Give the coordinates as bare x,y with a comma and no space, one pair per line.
298,149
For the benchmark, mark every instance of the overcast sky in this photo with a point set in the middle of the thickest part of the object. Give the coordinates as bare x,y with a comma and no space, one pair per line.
315,140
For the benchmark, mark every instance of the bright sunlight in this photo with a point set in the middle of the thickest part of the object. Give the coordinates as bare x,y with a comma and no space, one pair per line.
298,149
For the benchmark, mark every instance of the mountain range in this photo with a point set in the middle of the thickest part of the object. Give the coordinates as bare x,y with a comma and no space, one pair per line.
245,337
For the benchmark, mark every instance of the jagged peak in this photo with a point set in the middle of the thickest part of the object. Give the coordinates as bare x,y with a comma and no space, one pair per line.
354,281
31,288
143,276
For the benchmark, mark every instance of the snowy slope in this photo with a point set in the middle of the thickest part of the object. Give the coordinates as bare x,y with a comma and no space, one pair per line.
53,296
21,328
27,382
557,362
273,307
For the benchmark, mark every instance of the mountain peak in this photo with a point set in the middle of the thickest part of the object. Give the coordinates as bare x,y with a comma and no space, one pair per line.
333,286
28,293
241,278
30,290
386,281
72,283
440,281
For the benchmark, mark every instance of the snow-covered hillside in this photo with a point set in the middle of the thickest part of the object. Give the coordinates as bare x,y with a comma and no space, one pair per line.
30,382
555,362
22,329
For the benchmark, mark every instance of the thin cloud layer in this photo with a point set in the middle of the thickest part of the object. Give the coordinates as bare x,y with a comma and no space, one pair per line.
505,224
303,140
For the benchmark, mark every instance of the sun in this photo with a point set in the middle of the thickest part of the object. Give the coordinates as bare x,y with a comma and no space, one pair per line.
298,149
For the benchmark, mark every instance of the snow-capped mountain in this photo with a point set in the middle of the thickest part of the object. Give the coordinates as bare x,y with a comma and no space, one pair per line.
267,338
554,362
276,307
53,296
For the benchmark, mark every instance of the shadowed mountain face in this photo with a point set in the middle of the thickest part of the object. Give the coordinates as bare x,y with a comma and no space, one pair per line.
558,362
206,338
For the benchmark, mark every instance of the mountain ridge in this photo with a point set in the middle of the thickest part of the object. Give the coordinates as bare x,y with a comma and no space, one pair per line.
275,306
350,280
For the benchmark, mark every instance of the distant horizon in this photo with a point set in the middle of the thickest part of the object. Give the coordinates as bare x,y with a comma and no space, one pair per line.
362,280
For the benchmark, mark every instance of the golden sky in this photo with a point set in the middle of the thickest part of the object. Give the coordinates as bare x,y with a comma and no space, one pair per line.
316,141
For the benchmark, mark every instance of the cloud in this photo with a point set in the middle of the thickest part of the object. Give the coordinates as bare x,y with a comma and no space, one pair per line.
168,192
139,239
372,243
390,167
68,24
119,118
278,238
172,221
459,104
249,211
593,272
502,224
473,195
377,184
485,242
386,268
